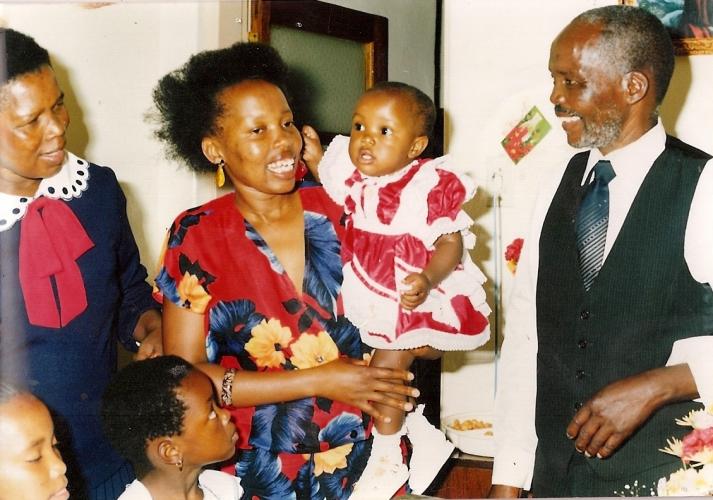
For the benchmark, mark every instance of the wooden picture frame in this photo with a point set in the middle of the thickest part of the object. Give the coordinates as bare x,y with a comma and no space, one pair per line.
314,16
690,35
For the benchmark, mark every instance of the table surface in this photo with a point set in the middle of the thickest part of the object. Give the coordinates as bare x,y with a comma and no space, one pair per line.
468,460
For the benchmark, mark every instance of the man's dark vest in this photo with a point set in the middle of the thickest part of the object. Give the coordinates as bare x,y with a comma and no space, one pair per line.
643,300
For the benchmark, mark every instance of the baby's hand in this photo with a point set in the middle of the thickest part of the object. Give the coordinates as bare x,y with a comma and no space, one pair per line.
312,151
416,295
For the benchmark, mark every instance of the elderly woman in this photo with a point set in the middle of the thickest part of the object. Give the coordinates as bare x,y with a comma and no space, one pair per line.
71,280
251,283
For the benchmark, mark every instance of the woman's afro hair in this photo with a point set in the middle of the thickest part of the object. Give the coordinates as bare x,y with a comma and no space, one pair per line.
186,99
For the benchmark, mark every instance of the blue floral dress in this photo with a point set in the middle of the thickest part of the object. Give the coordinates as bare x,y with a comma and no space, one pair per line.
216,264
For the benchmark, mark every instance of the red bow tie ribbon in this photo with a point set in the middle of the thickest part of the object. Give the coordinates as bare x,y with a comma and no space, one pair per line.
51,241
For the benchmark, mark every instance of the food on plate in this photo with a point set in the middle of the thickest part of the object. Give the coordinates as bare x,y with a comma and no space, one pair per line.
471,424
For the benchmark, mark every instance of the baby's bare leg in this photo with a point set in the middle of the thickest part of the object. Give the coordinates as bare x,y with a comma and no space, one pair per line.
391,359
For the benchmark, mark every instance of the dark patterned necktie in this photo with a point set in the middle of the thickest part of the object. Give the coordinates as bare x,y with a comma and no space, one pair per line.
592,222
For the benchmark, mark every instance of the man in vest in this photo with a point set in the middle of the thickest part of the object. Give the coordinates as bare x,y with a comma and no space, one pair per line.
608,338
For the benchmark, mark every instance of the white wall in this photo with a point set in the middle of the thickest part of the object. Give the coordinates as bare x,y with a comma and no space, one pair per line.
495,58
108,58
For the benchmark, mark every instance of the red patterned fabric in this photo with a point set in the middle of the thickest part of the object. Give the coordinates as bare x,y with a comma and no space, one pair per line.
392,224
217,264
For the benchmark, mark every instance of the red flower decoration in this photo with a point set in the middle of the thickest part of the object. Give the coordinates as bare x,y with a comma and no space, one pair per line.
696,441
512,253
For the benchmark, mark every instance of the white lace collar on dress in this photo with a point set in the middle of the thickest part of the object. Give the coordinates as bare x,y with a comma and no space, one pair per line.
70,182
383,180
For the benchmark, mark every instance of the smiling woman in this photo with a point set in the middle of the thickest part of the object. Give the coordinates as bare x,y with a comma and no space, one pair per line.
251,283
33,120
71,278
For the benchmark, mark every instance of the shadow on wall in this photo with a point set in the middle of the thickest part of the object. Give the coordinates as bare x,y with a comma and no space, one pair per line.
77,134
677,93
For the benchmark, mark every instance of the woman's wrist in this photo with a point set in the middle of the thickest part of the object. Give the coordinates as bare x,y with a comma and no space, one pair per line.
226,391
311,381
671,384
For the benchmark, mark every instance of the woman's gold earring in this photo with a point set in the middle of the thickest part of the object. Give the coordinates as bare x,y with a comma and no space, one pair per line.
220,174
179,464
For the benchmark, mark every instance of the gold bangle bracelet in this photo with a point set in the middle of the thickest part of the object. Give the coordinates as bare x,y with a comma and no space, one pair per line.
226,394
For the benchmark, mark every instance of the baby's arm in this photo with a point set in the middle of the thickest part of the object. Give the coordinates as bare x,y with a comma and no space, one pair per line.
312,152
446,256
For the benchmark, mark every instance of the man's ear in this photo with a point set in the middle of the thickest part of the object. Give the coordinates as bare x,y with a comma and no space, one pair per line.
211,150
636,85
417,146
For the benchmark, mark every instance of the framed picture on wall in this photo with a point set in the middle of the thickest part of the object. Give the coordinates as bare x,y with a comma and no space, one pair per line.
690,22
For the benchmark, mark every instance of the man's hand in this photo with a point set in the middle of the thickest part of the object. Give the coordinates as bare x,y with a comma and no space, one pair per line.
614,413
148,334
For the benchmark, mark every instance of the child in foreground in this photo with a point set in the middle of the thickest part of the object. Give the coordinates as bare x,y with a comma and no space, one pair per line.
408,280
163,416
31,467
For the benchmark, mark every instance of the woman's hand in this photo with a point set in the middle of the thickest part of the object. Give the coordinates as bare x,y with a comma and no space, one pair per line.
148,334
352,382
312,151
346,380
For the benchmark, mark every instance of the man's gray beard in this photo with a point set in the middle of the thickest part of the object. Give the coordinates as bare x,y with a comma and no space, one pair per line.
600,135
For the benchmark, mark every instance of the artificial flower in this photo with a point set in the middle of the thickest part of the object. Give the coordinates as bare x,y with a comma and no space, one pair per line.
695,478
512,253
704,456
697,441
311,350
687,482
268,339
675,447
698,419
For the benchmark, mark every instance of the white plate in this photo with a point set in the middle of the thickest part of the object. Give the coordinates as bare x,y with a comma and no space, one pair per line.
475,442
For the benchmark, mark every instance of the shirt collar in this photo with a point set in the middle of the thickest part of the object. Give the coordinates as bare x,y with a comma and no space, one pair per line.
633,161
70,182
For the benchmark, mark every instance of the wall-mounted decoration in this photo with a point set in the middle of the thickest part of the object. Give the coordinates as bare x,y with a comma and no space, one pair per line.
690,22
512,254
525,135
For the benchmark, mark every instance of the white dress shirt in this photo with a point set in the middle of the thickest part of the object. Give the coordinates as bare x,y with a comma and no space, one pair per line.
517,370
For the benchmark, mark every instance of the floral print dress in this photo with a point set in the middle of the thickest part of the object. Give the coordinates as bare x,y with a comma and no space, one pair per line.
215,263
